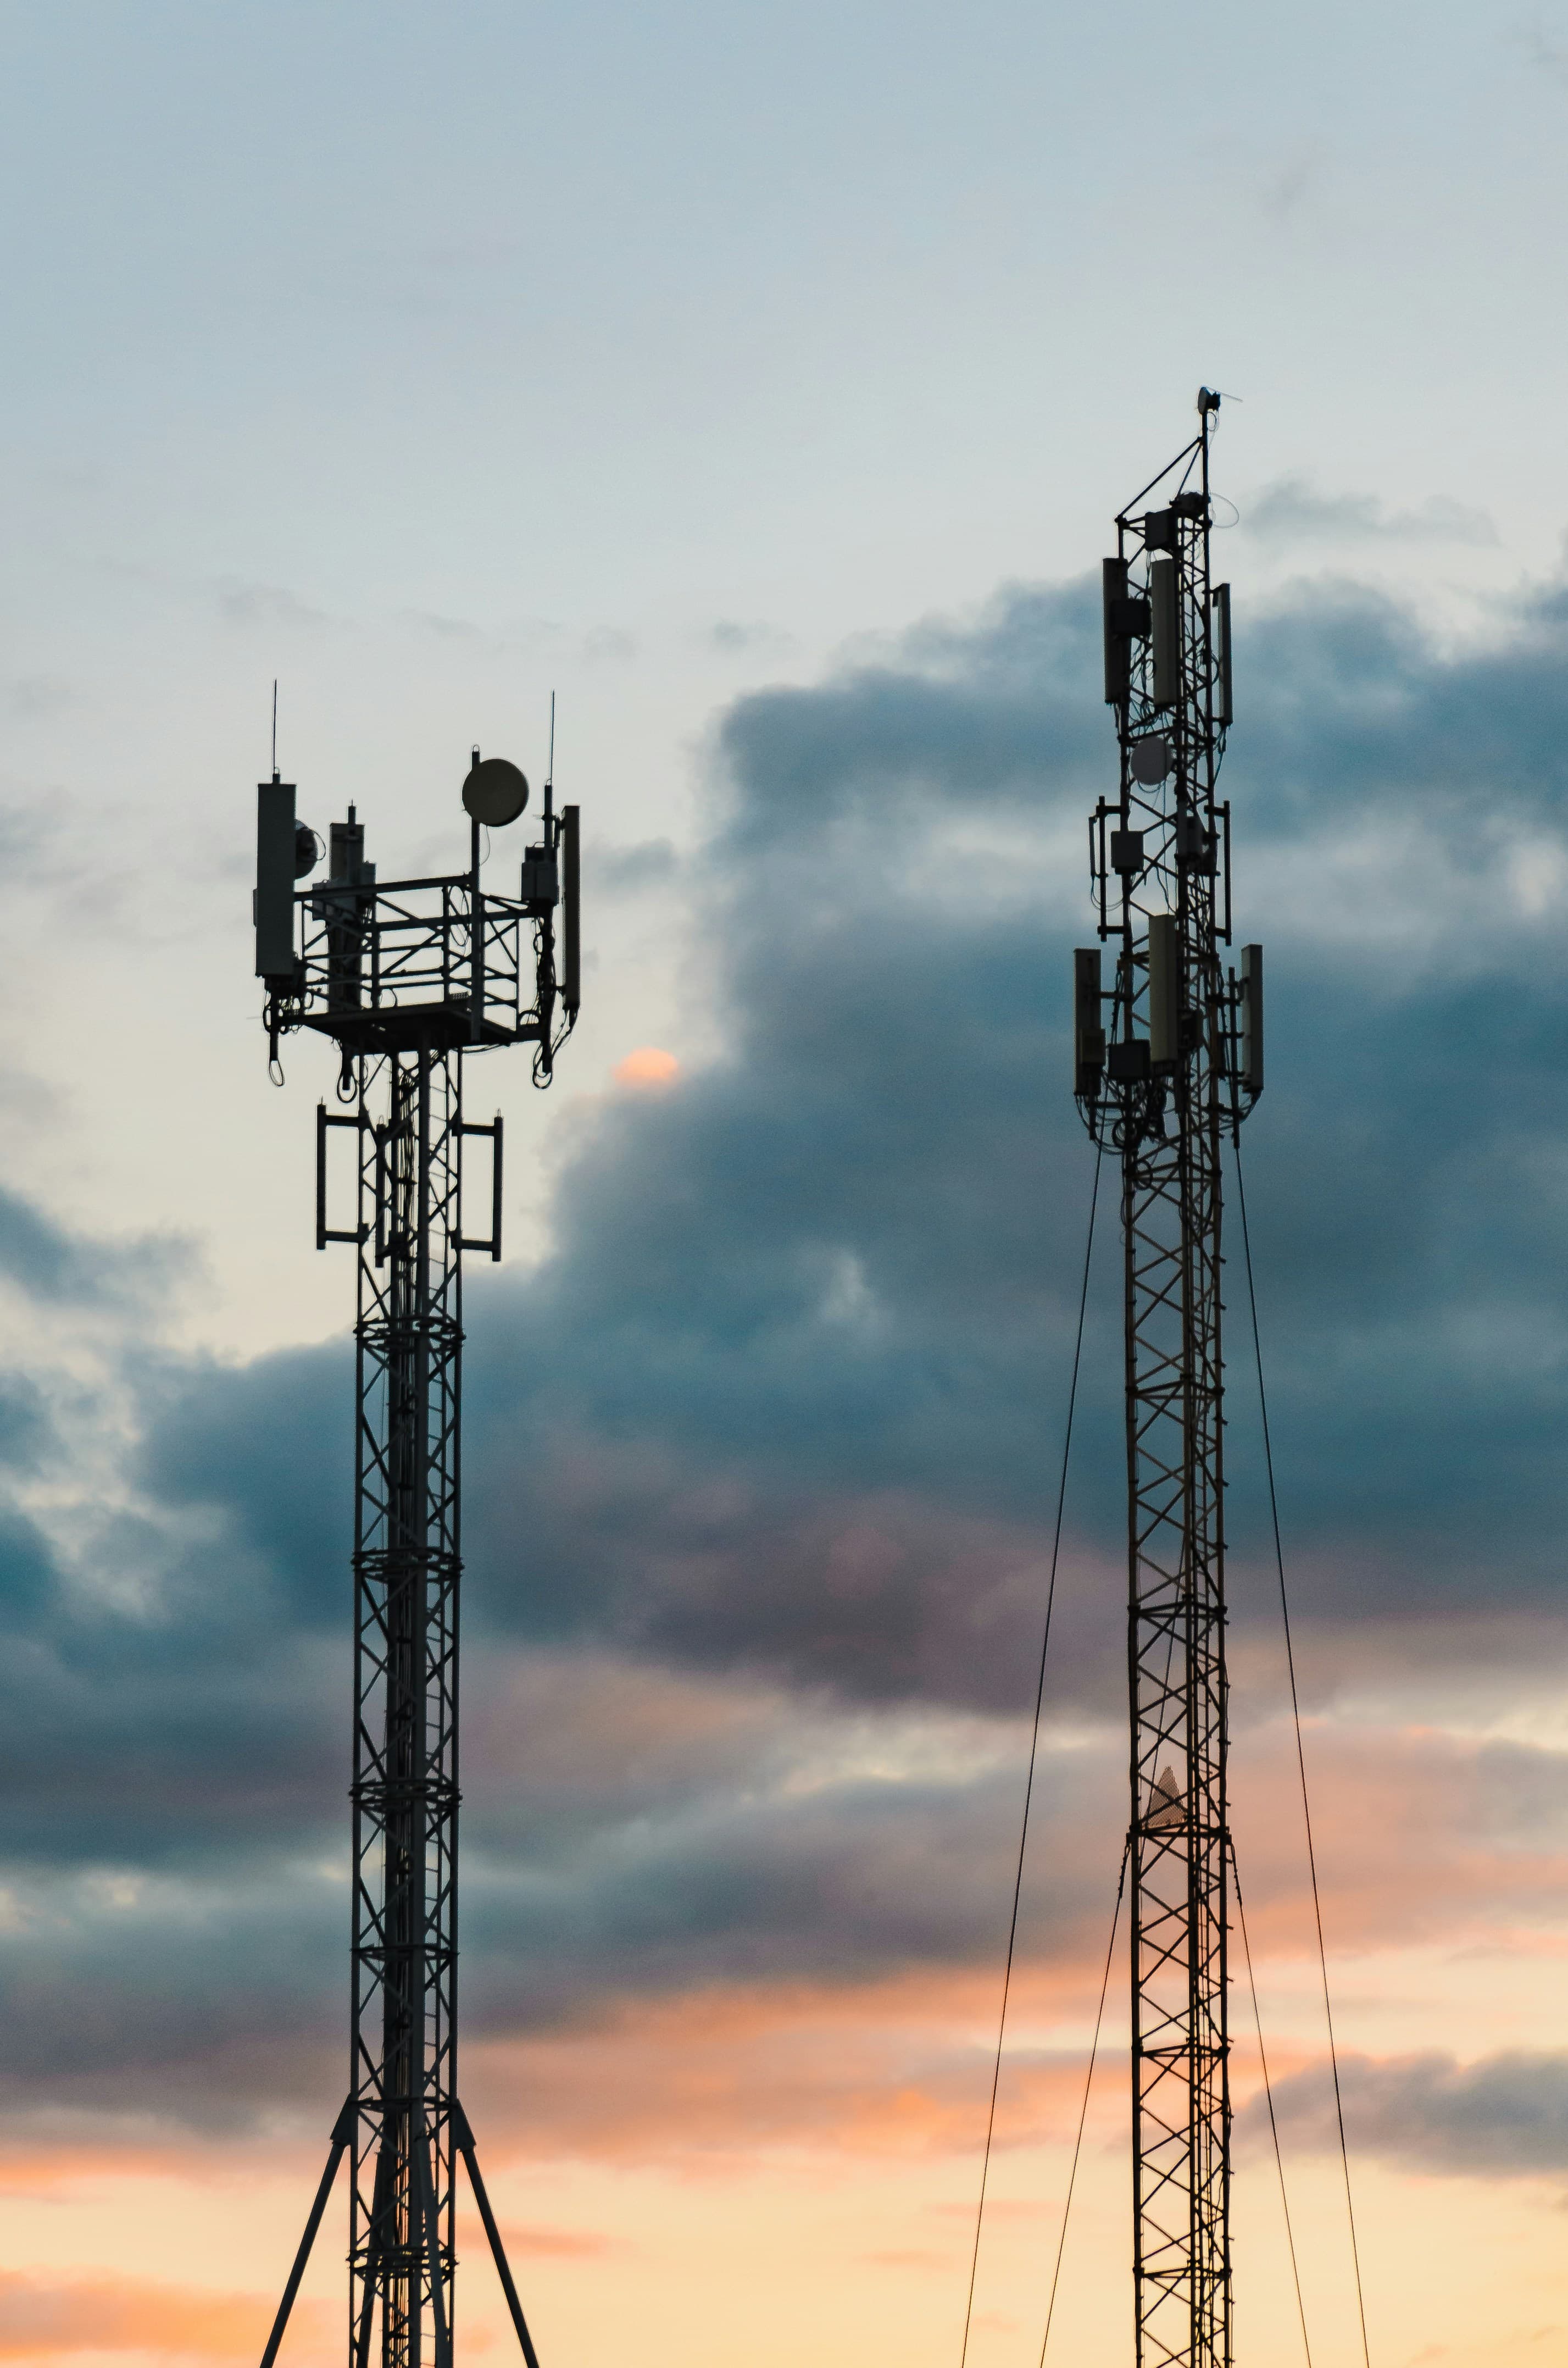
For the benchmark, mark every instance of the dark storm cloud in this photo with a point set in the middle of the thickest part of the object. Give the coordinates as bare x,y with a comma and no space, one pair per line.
1506,2114
271,1443
845,1258
846,1883
170,1689
998,715
824,1288
59,1267
1352,712
210,1991
200,2006
785,1400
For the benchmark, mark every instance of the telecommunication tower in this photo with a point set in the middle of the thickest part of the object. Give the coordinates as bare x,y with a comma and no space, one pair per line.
1168,1060
409,979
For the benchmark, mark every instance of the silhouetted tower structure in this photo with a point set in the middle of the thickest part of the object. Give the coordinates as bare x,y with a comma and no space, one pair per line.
1168,1059
410,979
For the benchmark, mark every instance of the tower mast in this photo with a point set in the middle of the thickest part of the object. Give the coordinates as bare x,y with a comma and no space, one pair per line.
410,980
1168,1057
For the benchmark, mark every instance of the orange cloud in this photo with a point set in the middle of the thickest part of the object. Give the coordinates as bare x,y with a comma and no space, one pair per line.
648,1066
1422,1836
40,2317
899,2068
561,2244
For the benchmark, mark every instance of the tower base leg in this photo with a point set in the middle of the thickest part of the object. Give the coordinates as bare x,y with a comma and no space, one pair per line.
342,2138
463,2136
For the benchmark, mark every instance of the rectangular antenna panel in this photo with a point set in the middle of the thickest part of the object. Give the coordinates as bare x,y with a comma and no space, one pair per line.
1118,643
1164,631
1251,984
1088,1021
1165,989
274,880
539,885
571,915
1225,711
347,841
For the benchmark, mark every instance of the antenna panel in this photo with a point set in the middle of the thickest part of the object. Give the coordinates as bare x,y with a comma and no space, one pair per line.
275,874
1164,632
1165,989
1251,983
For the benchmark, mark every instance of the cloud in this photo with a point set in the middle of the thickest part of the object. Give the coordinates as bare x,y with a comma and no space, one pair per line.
1292,510
1504,2115
40,2316
451,629
1291,182
625,870
628,1837
761,1459
41,694
792,1374
561,2244
268,605
736,640
59,1268
649,1067
607,645
1543,47
898,2070
633,1838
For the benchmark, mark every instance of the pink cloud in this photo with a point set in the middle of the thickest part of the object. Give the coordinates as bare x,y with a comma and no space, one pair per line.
648,1065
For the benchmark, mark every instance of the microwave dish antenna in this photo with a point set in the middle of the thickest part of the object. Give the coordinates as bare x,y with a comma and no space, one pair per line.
495,791
1151,760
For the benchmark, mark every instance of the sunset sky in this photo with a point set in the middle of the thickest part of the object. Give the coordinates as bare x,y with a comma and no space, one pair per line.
762,381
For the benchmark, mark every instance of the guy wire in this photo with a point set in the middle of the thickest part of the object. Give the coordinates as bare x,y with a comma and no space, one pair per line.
1034,1755
1084,2108
1268,2095
1301,1755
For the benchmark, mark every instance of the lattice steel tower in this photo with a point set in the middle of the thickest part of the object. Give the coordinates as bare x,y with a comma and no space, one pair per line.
410,979
1168,1059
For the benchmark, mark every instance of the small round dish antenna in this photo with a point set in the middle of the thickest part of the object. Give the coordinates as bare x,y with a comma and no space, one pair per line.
1151,760
494,793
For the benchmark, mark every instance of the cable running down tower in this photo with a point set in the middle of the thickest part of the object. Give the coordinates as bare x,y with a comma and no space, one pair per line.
410,980
1168,1057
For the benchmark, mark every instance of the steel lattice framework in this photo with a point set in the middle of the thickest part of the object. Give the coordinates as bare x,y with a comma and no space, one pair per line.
1168,1058
410,980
